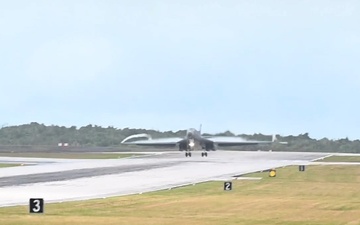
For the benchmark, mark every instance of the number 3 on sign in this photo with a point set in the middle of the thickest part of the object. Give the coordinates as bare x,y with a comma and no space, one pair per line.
36,205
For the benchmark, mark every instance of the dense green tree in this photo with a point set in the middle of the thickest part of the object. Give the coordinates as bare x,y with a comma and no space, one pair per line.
35,134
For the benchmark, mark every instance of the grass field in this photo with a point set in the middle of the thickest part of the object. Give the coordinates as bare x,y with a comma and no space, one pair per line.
3,165
341,159
320,195
68,155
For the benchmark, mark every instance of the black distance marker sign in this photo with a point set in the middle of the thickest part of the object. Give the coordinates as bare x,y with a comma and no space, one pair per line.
36,205
302,168
227,186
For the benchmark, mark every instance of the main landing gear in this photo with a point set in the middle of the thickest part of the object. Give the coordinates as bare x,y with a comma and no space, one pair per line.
203,154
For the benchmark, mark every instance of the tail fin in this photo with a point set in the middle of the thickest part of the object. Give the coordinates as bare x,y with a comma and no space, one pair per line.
200,128
274,138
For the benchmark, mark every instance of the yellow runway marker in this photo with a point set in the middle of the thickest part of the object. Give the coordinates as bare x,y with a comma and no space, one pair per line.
272,173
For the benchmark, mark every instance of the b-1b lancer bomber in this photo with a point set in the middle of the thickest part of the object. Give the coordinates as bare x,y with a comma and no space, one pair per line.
194,140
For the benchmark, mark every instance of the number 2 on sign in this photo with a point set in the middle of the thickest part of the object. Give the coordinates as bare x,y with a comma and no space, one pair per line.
227,186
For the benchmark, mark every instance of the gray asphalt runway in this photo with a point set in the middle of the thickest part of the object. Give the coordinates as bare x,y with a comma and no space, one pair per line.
75,174
64,180
74,149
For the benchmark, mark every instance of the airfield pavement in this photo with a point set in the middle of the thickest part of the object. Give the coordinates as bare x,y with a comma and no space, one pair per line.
58,180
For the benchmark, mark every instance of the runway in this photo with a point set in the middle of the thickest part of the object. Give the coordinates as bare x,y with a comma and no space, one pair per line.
58,180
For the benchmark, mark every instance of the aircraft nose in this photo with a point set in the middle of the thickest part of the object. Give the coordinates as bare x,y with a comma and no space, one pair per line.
189,134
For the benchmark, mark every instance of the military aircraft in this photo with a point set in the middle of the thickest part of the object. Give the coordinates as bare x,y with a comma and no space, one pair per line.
194,140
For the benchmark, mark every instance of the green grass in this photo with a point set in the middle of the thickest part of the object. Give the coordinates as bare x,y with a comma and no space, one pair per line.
4,165
69,155
325,195
341,159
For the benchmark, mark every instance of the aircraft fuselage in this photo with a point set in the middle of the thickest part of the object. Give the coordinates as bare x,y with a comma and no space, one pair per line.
196,141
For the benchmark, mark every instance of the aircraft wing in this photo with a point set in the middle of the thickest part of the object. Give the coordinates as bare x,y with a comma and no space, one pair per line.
235,141
161,142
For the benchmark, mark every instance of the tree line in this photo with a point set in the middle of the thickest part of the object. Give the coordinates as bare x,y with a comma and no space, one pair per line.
93,135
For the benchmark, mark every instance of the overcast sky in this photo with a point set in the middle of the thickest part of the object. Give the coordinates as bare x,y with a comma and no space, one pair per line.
285,67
